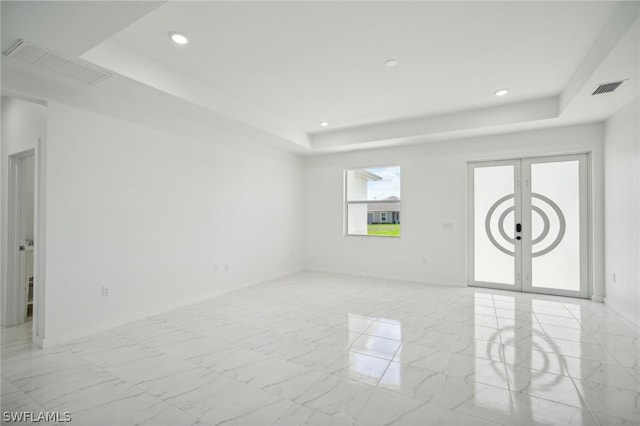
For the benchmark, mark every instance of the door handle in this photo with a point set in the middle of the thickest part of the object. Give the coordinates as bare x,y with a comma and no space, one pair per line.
518,227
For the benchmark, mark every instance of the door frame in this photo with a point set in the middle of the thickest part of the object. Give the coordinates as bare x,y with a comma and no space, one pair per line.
15,300
10,283
522,172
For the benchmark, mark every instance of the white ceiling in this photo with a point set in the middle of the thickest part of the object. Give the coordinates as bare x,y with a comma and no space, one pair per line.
325,61
282,67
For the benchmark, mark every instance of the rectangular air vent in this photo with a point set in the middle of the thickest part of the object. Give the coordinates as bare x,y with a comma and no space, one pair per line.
46,59
607,87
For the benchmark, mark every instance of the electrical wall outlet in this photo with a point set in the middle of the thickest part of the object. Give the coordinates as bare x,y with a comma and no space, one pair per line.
105,292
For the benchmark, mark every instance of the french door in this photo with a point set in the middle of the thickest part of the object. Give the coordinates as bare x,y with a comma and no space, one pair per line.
528,225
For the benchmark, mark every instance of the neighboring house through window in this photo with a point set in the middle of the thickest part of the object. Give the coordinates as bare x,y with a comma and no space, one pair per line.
372,201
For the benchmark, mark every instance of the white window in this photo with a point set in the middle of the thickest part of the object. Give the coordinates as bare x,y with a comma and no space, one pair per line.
372,197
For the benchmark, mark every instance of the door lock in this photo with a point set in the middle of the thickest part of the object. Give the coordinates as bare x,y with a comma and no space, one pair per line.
518,230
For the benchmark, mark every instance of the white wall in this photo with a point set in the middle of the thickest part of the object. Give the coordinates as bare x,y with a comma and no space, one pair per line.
23,123
622,211
434,193
148,213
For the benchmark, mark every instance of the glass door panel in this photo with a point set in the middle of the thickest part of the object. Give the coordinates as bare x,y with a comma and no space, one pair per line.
556,203
494,218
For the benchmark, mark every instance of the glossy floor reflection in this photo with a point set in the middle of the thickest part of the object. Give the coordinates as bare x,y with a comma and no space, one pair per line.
326,349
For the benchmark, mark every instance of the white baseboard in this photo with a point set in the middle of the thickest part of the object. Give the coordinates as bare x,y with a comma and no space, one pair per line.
142,314
386,277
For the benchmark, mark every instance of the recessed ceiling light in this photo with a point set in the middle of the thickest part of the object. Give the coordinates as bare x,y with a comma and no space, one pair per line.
323,123
502,92
178,38
391,63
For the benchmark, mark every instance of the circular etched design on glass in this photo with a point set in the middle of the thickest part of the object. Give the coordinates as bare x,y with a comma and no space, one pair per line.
545,225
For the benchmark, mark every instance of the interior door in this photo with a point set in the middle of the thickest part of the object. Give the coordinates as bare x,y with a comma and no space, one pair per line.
528,225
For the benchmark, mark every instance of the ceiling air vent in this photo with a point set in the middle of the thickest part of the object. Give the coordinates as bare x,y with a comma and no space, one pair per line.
43,58
607,87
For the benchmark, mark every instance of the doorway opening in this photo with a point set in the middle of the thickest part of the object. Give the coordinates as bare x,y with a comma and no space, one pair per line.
20,290
22,192
22,198
21,236
528,223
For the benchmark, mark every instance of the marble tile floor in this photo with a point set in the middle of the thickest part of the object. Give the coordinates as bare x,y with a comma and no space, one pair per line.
326,349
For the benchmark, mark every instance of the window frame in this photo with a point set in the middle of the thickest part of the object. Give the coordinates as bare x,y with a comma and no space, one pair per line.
346,203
